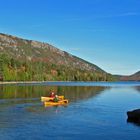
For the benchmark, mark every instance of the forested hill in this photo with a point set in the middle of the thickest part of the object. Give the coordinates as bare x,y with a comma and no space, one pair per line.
28,60
133,77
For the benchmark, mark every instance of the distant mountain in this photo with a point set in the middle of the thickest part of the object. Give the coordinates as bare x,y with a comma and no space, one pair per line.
22,59
133,77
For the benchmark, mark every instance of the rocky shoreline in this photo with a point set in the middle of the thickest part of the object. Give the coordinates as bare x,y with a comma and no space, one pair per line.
21,82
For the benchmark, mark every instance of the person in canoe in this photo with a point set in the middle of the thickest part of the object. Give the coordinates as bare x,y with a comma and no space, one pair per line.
52,95
56,98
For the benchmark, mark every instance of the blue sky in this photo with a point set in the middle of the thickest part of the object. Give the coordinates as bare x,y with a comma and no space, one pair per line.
103,32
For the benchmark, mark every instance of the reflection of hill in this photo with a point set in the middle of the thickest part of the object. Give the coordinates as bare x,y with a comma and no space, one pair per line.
29,92
10,92
18,103
78,93
20,95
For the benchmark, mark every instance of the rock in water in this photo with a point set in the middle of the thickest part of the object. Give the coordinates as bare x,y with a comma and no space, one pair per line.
134,116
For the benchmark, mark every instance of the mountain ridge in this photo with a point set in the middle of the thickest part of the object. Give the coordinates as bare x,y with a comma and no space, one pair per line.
49,57
38,44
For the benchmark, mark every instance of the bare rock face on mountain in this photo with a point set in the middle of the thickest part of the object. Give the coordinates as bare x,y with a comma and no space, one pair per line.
21,48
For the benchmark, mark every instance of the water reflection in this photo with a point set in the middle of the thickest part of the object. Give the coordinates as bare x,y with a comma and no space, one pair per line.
30,93
19,103
135,123
29,96
79,93
101,110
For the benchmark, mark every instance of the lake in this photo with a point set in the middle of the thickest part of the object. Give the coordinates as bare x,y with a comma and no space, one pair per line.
96,110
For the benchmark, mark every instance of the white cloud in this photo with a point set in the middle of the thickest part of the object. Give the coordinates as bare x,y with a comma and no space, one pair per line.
117,15
75,49
127,14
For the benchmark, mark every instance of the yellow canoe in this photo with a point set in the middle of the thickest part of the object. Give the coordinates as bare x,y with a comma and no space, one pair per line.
44,99
51,103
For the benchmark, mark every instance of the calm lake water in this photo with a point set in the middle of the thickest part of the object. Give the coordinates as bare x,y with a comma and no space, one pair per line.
95,111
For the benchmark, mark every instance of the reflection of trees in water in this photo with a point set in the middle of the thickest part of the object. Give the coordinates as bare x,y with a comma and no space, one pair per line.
8,92
17,96
80,92
29,92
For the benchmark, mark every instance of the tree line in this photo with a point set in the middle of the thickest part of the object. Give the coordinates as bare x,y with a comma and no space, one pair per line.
24,70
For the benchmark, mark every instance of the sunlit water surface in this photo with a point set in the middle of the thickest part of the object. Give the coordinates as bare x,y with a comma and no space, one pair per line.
95,111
